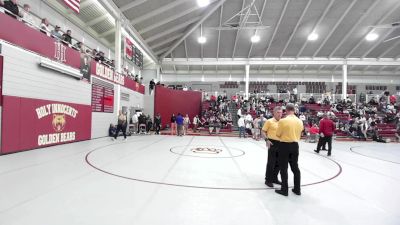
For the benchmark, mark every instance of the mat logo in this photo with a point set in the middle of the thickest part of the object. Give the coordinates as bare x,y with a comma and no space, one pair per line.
59,122
206,150
60,52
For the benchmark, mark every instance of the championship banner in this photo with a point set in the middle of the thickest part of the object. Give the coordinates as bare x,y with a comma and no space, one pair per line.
128,49
32,123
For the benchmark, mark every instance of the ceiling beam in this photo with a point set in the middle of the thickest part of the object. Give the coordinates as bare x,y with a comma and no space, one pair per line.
85,4
377,42
171,30
194,27
96,20
109,32
219,31
240,24
356,25
166,41
275,61
395,45
296,27
131,5
276,28
381,20
321,18
158,11
334,27
161,50
169,19
255,33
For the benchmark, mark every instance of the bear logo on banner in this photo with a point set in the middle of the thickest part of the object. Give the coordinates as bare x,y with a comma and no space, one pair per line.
59,122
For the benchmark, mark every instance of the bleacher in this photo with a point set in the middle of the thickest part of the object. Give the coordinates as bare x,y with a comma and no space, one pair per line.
387,131
229,84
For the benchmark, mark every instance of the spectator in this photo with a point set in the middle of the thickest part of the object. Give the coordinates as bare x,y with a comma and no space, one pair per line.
56,33
196,122
135,123
179,123
44,26
112,130
149,124
173,124
26,16
94,55
157,122
12,7
67,37
151,85
186,122
241,125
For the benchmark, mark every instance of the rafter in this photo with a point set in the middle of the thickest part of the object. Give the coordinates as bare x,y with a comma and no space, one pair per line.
389,49
157,11
219,31
109,32
296,27
168,20
255,33
171,30
166,41
96,20
377,42
356,25
194,27
240,24
316,25
131,5
381,20
334,27
161,51
276,28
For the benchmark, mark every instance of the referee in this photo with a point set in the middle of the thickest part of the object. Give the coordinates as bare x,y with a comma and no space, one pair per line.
289,132
272,141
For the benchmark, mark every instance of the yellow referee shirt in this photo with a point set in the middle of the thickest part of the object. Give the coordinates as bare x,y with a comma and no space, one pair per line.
270,127
289,129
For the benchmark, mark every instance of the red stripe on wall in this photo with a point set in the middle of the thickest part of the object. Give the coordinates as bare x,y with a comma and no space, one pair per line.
168,101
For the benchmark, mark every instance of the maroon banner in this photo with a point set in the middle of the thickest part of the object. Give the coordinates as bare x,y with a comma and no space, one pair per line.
168,101
32,123
128,49
31,39
1,80
108,73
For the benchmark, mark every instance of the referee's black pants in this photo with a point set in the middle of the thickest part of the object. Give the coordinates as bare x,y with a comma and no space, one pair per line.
272,169
289,153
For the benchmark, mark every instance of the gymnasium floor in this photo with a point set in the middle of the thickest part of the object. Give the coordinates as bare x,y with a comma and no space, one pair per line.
162,180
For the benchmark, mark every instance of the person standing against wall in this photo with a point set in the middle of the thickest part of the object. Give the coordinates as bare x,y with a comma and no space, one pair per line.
269,132
135,122
179,122
186,122
121,125
173,124
157,122
289,133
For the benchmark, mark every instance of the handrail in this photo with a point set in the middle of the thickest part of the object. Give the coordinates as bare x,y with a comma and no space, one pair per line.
49,34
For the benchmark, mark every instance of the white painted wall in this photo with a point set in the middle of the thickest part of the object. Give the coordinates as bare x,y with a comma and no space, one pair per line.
24,77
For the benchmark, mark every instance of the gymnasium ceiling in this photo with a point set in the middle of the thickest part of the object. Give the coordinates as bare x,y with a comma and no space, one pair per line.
171,29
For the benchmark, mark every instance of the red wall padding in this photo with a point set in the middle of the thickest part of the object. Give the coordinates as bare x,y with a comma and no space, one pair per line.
168,101
1,80
22,127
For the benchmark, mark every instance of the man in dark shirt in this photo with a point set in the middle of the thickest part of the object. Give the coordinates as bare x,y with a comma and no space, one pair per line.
326,129
67,37
12,6
151,86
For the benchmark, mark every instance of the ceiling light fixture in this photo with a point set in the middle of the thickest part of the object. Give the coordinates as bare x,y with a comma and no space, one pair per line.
371,36
255,38
201,39
313,36
203,3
